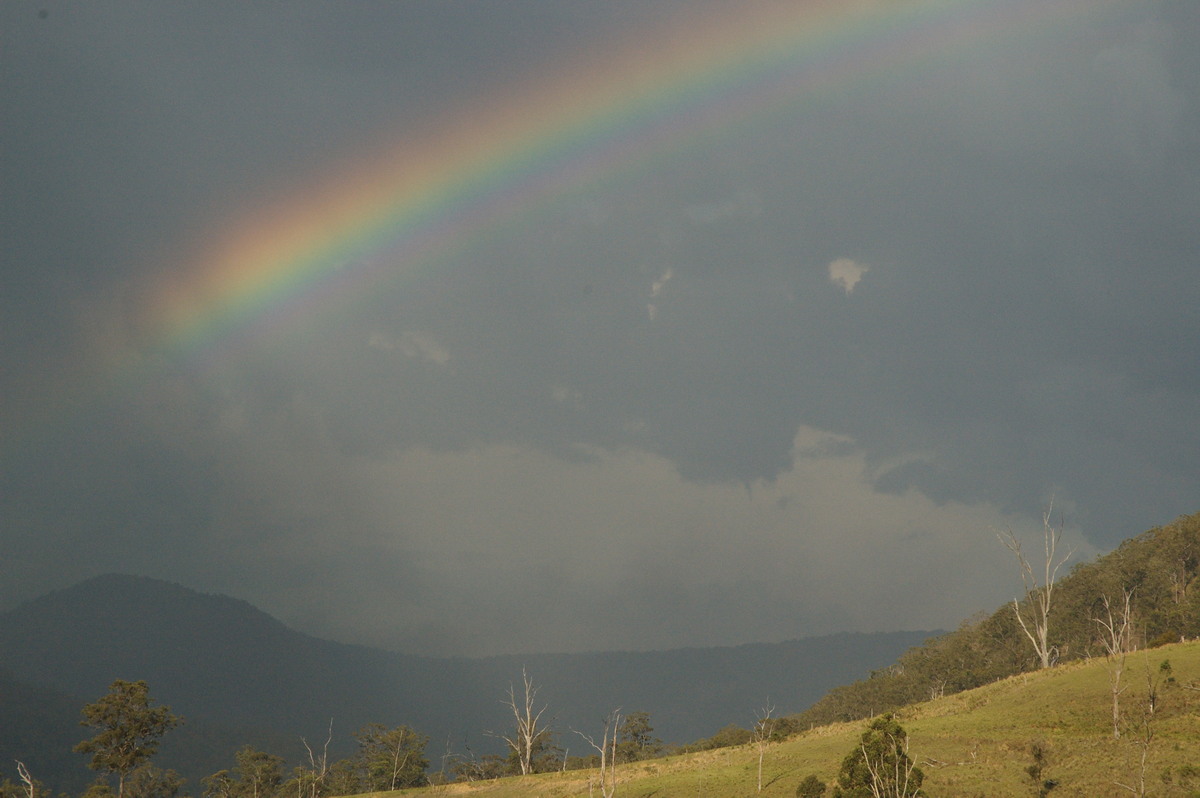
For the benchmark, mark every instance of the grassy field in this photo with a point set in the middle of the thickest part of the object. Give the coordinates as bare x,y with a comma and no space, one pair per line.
975,743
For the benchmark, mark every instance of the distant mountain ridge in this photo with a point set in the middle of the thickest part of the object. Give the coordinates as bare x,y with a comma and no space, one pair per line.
221,662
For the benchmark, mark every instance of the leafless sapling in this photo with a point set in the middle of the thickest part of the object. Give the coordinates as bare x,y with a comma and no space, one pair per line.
1117,639
763,726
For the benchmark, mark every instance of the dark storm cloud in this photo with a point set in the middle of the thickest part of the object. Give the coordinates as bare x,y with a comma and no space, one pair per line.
652,401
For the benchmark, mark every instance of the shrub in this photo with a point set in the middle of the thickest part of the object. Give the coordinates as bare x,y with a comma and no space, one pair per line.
811,787
879,765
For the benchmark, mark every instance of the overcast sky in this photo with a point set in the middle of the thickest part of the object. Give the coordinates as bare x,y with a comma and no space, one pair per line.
774,353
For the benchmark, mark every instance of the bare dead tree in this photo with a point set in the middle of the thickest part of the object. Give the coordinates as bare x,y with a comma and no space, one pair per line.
1147,732
468,765
319,767
763,726
26,779
446,754
1117,639
528,726
608,753
1037,626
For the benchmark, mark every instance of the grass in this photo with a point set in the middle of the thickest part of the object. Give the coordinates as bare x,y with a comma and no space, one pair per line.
975,743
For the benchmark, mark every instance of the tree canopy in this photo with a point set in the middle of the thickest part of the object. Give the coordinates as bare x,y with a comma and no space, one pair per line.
128,730
636,738
879,767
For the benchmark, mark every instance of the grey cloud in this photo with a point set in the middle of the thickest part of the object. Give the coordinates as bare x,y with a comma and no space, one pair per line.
1027,208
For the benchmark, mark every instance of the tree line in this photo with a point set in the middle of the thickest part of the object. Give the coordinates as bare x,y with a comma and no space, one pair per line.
128,726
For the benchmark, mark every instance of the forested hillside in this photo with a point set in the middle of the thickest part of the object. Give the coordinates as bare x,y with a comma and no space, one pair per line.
1159,568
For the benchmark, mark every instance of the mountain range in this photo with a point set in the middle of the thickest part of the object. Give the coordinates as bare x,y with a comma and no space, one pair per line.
238,676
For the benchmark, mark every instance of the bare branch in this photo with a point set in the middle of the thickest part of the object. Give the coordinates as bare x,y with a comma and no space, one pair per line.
762,733
1118,632
26,779
320,765
1038,596
608,753
1117,642
528,726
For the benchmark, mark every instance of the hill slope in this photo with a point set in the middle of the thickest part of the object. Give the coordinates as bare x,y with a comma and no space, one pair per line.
220,661
975,743
1161,567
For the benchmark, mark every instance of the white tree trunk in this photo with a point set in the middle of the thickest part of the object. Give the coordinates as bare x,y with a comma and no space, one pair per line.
1037,627
762,733
608,754
1117,641
528,722
26,779
320,765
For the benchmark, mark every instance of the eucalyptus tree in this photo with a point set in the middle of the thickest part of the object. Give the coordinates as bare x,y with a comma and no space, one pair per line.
128,730
636,738
257,774
880,767
391,758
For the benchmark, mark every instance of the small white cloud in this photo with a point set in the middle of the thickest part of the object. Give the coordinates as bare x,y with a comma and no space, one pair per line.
656,289
661,282
414,344
846,273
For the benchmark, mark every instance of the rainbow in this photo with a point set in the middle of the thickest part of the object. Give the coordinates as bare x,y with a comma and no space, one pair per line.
428,197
